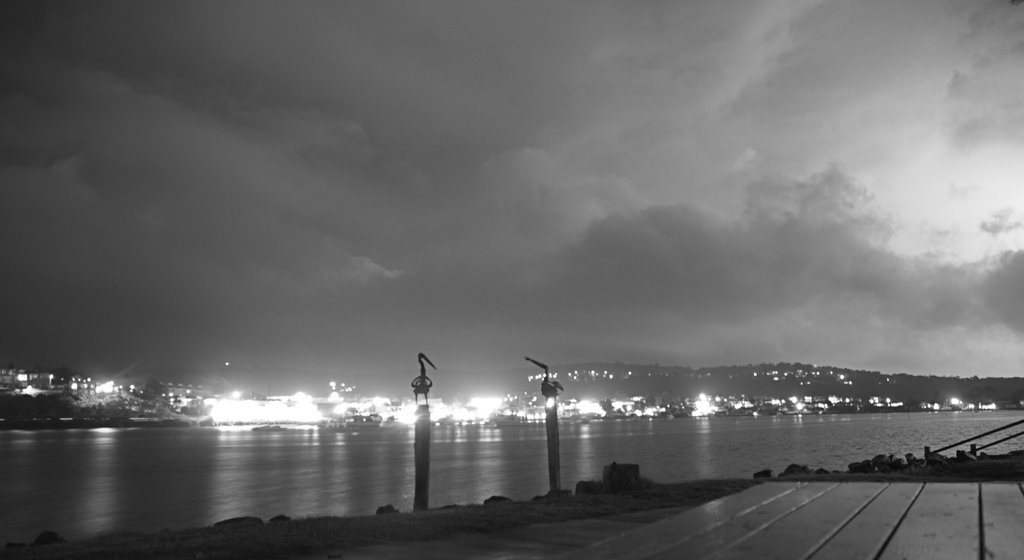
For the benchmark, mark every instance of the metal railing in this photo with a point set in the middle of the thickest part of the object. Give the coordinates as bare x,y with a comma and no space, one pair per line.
975,448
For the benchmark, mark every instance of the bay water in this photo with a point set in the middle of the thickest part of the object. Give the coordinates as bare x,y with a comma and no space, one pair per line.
87,482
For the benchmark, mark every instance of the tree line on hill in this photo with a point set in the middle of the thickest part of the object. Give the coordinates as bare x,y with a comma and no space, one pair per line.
783,380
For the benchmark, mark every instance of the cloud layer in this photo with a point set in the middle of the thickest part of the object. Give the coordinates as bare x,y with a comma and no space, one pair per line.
332,188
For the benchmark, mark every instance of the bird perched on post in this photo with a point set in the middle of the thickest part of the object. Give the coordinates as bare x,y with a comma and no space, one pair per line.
548,387
422,384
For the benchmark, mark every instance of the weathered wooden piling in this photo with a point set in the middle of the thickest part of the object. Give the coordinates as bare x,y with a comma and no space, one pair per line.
554,463
422,450
550,388
421,444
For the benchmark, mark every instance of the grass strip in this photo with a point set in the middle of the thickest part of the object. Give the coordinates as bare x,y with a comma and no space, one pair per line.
316,535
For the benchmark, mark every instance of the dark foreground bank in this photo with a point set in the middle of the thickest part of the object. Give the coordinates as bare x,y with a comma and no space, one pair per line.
308,536
251,538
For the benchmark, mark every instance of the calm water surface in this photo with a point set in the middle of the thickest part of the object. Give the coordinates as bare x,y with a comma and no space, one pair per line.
86,482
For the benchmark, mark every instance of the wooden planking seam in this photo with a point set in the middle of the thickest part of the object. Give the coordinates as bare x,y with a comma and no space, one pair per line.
1002,514
844,523
813,491
881,549
981,525
941,523
799,532
635,543
864,536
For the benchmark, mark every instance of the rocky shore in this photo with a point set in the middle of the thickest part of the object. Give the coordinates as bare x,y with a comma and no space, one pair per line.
963,463
87,423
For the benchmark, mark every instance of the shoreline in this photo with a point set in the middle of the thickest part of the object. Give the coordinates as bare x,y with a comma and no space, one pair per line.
71,423
248,537
252,538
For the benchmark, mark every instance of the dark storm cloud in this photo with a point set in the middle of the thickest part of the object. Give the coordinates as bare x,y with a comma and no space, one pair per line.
985,100
339,186
130,209
1001,222
1003,290
801,246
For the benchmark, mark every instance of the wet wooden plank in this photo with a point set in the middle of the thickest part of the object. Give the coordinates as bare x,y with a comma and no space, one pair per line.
804,530
743,527
941,523
651,538
863,536
1002,517
574,534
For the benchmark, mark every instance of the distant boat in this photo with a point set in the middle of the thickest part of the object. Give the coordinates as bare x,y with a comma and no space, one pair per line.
331,426
270,428
363,420
502,420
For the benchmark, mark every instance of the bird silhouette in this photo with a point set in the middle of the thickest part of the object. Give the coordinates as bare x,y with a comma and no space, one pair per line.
422,384
548,387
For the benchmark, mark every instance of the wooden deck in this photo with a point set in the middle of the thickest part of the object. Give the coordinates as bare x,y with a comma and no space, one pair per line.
836,521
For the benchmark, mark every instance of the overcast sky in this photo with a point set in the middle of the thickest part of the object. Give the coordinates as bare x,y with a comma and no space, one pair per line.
330,188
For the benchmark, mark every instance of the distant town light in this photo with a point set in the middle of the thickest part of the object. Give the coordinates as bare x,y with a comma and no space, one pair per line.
703,406
270,411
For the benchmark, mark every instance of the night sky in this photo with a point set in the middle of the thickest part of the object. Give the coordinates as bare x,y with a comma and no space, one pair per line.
314,190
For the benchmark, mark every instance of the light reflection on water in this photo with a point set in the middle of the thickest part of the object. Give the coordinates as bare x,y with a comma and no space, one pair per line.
83,482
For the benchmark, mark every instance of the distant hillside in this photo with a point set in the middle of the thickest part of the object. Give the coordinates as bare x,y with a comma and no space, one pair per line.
780,380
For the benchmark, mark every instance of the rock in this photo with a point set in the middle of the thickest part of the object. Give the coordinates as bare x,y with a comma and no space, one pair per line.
621,477
386,509
450,506
793,468
555,494
538,498
280,518
964,456
589,487
48,537
862,467
767,473
882,463
245,520
497,500
821,471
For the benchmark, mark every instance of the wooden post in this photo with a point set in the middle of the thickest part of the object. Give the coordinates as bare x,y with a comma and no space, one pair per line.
554,464
421,445
927,451
974,449
550,388
422,450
